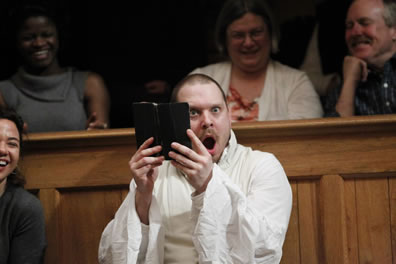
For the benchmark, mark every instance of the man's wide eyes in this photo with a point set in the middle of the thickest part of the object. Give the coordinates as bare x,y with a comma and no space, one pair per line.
216,109
193,112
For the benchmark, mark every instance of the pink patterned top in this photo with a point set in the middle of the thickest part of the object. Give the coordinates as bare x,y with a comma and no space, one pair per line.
241,109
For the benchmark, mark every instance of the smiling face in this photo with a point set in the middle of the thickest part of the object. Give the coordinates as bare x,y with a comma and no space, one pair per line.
367,36
37,42
209,116
249,43
9,150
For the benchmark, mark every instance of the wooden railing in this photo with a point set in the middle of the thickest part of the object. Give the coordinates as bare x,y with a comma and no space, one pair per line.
341,171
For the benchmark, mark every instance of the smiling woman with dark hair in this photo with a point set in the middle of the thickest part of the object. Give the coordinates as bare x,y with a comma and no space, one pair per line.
22,225
48,96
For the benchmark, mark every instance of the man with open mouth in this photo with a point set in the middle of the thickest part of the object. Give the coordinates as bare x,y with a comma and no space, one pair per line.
219,202
369,72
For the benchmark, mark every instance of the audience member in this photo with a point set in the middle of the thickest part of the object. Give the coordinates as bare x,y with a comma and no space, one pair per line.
219,202
257,87
315,44
50,97
22,232
369,72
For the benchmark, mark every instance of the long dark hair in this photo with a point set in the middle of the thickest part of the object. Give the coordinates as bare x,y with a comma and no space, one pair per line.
16,176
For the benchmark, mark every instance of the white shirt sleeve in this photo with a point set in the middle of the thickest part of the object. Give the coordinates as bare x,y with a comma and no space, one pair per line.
125,240
233,227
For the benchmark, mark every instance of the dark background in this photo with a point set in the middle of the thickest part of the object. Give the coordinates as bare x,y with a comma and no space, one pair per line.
131,42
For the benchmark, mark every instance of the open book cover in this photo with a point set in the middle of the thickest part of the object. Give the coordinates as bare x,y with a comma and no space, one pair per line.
166,122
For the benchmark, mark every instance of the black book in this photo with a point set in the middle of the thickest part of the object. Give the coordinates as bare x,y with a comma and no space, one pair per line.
166,122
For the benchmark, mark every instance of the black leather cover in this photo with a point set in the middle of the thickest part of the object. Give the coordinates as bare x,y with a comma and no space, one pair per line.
166,122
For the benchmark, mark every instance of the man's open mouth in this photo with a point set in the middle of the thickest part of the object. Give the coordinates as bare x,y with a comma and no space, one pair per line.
209,143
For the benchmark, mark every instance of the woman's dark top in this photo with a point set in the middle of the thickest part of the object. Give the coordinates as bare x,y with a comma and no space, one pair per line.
22,227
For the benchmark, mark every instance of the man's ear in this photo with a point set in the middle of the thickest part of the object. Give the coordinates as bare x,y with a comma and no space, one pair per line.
393,34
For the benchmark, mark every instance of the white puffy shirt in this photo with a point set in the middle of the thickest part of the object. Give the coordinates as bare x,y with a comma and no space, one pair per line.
242,217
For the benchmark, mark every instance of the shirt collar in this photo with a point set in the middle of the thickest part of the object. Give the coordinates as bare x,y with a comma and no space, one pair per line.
226,156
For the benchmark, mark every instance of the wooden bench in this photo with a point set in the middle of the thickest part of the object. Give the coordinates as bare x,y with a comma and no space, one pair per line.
341,171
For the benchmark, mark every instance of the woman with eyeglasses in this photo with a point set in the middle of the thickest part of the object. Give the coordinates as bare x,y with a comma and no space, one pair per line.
257,87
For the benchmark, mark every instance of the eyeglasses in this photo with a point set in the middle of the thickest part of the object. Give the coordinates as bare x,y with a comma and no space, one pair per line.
255,34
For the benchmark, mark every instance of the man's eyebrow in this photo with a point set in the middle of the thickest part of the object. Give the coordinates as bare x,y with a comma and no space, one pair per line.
364,19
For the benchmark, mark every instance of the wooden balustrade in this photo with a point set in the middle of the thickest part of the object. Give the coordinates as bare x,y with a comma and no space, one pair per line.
342,172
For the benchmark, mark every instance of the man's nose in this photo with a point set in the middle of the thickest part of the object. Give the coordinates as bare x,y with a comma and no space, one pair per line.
206,120
356,29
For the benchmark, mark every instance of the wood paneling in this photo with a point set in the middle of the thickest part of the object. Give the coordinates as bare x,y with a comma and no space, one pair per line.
291,249
373,221
351,220
342,172
308,212
333,222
